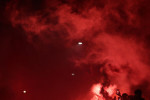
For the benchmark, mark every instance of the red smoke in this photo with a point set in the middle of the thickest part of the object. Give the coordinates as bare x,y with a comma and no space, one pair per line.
111,31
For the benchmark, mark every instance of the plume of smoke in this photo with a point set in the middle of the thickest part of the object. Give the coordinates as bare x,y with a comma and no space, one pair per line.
108,30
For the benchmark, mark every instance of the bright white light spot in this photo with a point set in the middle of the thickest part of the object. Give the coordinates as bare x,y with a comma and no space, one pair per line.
73,74
24,92
80,43
96,89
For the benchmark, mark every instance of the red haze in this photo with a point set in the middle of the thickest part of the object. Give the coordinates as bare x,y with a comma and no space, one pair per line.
115,49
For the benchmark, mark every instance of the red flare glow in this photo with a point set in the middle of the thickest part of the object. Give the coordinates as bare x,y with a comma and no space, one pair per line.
97,88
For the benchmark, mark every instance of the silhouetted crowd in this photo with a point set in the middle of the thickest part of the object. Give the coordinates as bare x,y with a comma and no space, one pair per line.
137,96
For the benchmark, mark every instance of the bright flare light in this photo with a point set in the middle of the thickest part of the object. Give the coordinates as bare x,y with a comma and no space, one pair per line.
96,89
80,43
24,92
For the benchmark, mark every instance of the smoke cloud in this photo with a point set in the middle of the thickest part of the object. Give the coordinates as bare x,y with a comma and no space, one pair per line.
115,36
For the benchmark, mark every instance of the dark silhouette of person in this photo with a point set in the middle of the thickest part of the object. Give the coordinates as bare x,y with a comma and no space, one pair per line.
138,95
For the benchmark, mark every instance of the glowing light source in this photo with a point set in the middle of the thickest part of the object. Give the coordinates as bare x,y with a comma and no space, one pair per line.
96,89
80,43
24,91
73,74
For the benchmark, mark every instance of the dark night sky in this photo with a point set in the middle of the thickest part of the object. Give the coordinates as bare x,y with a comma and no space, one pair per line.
39,48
